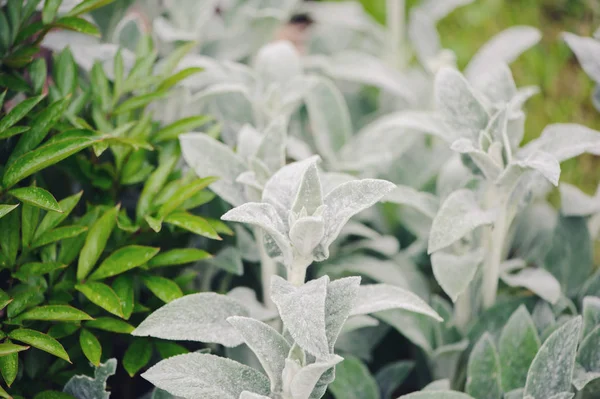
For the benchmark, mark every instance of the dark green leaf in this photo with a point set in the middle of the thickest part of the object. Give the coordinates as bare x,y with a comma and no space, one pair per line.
123,287
101,295
37,74
9,366
13,131
4,209
87,6
137,356
5,299
110,324
55,313
65,72
166,290
483,371
10,227
139,101
4,33
178,77
101,90
124,259
347,374
61,330
36,196
19,112
40,341
58,234
178,257
90,346
95,242
185,125
168,349
30,216
24,299
53,395
7,348
53,219
43,157
193,223
40,127
184,193
37,269
391,376
50,9
78,25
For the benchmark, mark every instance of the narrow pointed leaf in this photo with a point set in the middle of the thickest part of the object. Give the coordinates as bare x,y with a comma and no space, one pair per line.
38,197
40,341
90,346
124,259
102,295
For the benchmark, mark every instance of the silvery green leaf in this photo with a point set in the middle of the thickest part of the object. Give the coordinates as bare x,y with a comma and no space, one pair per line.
277,62
542,162
330,180
380,270
445,359
358,322
269,346
353,381
256,309
208,157
272,147
596,97
591,314
562,395
490,168
251,395
197,317
424,35
415,327
483,370
453,175
162,394
518,345
392,375
438,385
424,202
84,387
360,67
587,51
345,201
307,377
458,216
384,245
461,110
574,202
542,316
341,294
496,84
537,280
377,297
309,194
453,272
302,310
248,141
282,188
436,395
265,216
551,371
505,47
197,375
564,141
305,235
228,259
260,170
514,394
570,245
329,117
385,139
589,351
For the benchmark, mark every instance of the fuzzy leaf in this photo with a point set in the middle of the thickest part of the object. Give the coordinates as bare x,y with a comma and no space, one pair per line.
307,377
341,295
40,341
377,297
347,375
551,371
302,310
518,345
564,141
426,203
587,51
435,394
196,375
458,216
197,317
454,273
575,202
391,376
537,280
483,370
84,387
268,345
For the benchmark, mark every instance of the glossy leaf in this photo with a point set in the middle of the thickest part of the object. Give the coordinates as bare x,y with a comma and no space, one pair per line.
166,290
137,356
55,313
101,295
123,259
90,346
95,242
40,341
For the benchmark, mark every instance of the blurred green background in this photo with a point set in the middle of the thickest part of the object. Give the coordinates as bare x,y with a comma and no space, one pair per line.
565,89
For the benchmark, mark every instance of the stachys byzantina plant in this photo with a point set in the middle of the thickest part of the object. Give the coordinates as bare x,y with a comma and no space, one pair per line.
301,216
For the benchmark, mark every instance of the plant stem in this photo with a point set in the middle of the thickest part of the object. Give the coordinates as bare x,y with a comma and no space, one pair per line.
297,272
268,268
395,15
494,241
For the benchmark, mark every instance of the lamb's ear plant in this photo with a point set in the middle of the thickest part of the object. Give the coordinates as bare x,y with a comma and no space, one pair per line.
587,50
300,217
